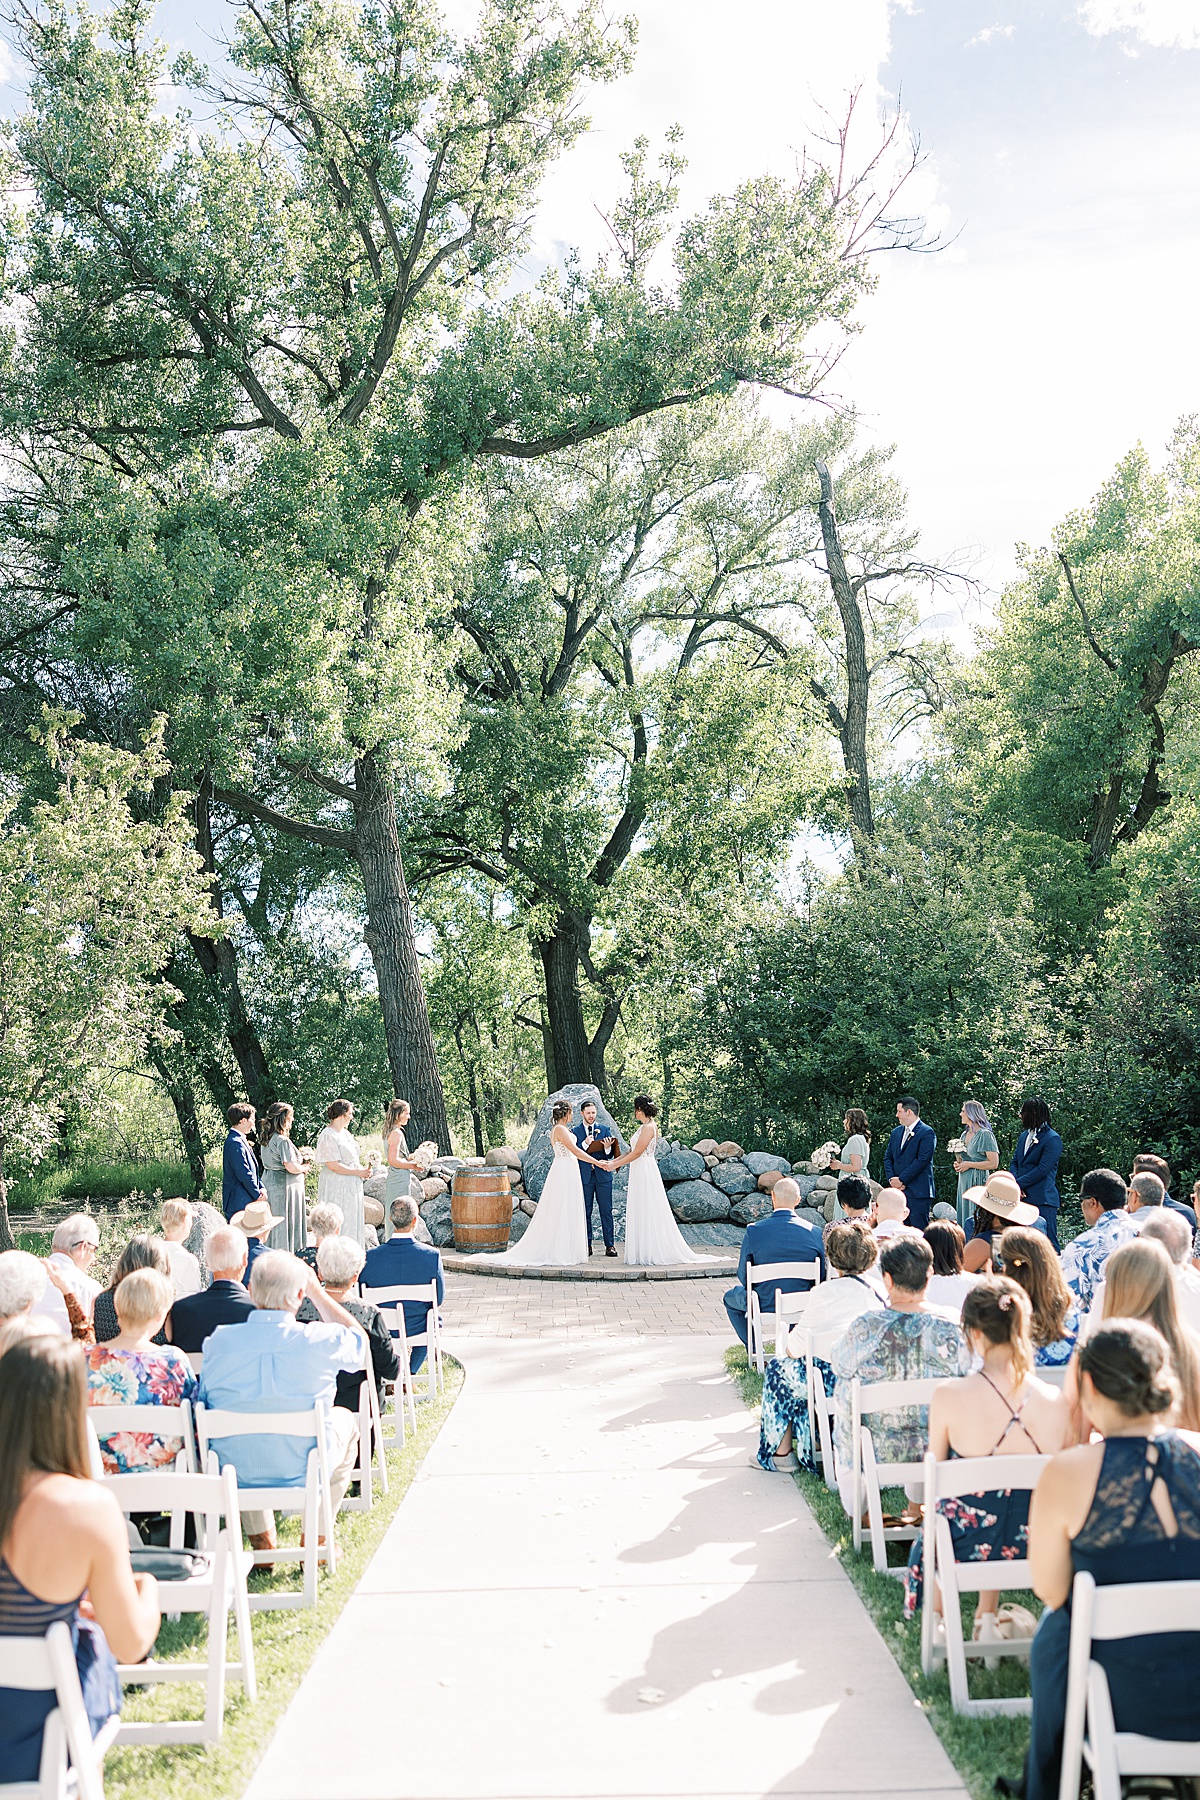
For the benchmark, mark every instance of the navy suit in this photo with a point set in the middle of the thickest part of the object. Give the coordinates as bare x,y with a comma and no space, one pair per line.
1178,1206
783,1236
194,1317
597,1183
913,1163
1034,1168
402,1262
240,1180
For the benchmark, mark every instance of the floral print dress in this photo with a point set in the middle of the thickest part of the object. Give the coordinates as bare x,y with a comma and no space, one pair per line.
158,1377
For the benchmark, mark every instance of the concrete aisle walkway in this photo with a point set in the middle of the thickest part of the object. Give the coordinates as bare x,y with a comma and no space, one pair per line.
589,1593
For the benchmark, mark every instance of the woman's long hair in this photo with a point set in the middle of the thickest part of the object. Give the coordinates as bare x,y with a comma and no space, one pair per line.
1030,1262
391,1119
1139,1283
141,1252
856,1123
947,1239
277,1121
43,1418
977,1113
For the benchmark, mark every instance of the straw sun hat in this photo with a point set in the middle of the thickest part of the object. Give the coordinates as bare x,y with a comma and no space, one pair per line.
1001,1195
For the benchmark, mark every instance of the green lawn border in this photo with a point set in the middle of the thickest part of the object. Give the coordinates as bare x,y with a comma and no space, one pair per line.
979,1748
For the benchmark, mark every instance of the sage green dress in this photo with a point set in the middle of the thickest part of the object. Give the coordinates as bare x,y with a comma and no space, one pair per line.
981,1144
285,1191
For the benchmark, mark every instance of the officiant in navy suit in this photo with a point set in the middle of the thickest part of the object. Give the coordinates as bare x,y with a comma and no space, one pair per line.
598,1141
908,1161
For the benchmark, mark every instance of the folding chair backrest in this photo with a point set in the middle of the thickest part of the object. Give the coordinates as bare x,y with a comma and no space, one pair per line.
980,1475
196,1358
170,1490
757,1273
789,1310
36,1664
161,1421
213,1423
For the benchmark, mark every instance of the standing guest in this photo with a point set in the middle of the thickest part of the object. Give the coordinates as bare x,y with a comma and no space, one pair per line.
133,1370
72,1254
226,1301
240,1182
401,1166
1171,1231
270,1363
855,1158
1126,1508
949,1283
1034,1167
908,1161
342,1172
1030,1262
1145,1162
62,1536
141,1252
258,1222
1140,1283
786,1438
175,1216
997,1204
283,1178
1102,1198
903,1342
979,1156
783,1236
403,1262
339,1265
323,1222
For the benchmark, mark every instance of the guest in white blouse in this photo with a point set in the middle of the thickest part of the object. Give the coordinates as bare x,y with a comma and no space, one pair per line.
340,1182
949,1284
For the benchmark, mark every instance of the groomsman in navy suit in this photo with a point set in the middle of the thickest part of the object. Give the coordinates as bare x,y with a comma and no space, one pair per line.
597,1183
908,1162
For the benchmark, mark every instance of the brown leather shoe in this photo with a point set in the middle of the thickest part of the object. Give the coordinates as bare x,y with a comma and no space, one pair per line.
611,1251
264,1540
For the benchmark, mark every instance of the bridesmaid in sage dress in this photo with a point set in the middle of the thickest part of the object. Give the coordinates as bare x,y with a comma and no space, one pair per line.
283,1178
400,1166
980,1155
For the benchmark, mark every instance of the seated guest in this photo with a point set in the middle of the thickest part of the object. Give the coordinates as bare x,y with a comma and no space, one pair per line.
325,1220
786,1437
72,1253
141,1252
133,1370
781,1237
226,1301
903,1342
339,1264
998,1204
241,1184
1124,1509
270,1363
1171,1231
175,1217
949,1284
22,1283
62,1536
1002,1410
891,1210
1102,1197
855,1204
1139,1283
258,1222
403,1262
1145,1191
908,1161
1029,1261
1145,1163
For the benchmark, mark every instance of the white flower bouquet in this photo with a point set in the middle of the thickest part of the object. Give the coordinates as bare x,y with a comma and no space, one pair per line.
956,1147
822,1158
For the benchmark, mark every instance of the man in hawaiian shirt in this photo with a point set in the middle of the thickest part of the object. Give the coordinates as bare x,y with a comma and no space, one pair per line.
1103,1196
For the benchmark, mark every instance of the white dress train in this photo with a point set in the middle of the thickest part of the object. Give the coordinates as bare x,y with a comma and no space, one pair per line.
652,1238
556,1236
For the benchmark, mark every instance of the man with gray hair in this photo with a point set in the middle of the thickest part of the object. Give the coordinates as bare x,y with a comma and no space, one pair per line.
1145,1191
73,1251
402,1262
1171,1230
226,1301
271,1363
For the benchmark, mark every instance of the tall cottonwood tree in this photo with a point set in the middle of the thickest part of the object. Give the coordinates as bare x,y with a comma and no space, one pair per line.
251,363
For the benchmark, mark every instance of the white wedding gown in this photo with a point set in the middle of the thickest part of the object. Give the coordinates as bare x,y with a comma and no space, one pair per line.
556,1236
652,1238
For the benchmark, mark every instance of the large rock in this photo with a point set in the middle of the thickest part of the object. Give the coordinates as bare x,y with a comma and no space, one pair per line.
375,1187
728,1151
720,1236
436,1214
372,1212
811,1217
807,1185
760,1162
805,1167
697,1203
433,1187
526,1205
767,1180
519,1226
706,1146
503,1158
734,1178
540,1154
680,1165
751,1207
447,1166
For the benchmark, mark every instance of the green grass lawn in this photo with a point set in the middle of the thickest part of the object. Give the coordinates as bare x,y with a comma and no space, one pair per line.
284,1646
981,1748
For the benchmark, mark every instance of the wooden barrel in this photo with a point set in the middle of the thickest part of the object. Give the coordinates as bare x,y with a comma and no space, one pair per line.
481,1209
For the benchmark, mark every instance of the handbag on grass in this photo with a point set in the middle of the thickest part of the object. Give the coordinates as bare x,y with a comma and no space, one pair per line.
168,1565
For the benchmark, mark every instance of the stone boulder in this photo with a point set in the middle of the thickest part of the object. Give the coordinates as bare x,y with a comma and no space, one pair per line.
526,1205
811,1216
540,1154
433,1187
807,1185
504,1157
519,1226
760,1162
373,1212
749,1208
728,1151
707,1176
680,1165
720,1236
705,1147
697,1204
436,1214
804,1167
711,1161
767,1180
734,1178
375,1187
421,1231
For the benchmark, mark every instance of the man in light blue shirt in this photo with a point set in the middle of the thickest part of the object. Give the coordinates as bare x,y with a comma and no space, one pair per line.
271,1364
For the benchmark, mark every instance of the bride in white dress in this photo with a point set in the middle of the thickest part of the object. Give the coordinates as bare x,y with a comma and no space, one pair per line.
556,1236
652,1238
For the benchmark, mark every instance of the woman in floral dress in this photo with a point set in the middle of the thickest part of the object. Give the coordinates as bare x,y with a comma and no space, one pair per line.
130,1370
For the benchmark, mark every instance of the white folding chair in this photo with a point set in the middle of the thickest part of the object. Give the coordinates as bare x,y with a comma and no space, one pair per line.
370,1443
161,1421
789,1311
220,1590
390,1301
866,1399
196,1358
820,1344
312,1500
756,1318
36,1665
1056,1377
1132,1609
948,1481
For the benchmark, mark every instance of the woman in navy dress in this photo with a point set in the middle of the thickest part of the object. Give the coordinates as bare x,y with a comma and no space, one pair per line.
1124,1510
1035,1164
64,1548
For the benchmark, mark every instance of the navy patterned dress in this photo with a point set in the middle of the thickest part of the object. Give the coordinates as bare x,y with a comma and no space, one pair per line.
23,1712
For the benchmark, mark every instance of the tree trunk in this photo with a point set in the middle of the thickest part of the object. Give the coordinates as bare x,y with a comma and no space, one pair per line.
601,1038
564,1003
218,960
218,1084
183,1099
853,731
7,1241
392,942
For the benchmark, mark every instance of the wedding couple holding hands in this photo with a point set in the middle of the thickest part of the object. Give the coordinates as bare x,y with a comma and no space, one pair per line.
586,1157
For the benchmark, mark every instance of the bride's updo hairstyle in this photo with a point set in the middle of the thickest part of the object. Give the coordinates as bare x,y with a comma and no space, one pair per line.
561,1111
642,1103
1130,1364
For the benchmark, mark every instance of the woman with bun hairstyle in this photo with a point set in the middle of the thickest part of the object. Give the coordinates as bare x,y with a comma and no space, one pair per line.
1029,1261
1125,1509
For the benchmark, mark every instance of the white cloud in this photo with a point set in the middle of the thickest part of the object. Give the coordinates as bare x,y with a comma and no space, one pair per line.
988,33
1167,24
